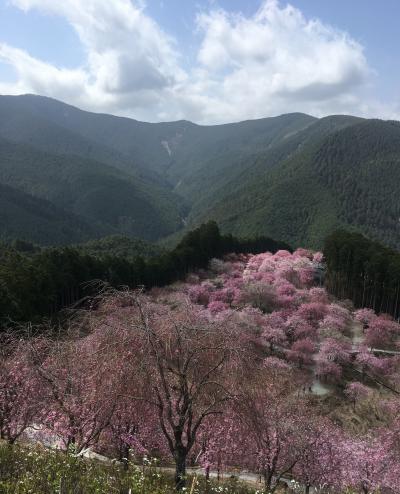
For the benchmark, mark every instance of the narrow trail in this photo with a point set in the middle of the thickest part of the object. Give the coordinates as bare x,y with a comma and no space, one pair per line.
357,334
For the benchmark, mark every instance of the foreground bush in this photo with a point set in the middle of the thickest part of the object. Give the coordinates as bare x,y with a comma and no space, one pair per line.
38,471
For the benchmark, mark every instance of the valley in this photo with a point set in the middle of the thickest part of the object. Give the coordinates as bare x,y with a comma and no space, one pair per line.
292,177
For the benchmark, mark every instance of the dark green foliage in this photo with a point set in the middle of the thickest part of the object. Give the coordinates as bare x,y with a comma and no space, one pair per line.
110,200
41,283
36,220
364,271
206,158
345,175
119,246
361,166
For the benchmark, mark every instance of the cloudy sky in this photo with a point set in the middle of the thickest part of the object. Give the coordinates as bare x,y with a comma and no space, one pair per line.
209,61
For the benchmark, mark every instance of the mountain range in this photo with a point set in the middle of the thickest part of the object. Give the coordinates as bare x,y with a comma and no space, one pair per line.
68,176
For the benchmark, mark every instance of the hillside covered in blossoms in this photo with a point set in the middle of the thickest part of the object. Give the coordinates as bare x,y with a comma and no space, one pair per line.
247,366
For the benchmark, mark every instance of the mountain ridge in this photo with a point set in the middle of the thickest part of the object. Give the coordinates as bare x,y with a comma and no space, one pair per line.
279,176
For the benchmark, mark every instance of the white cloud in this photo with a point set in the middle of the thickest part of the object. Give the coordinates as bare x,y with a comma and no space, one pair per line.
274,62
130,60
278,60
39,76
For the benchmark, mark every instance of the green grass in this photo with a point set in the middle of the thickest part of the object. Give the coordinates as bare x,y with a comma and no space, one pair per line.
39,471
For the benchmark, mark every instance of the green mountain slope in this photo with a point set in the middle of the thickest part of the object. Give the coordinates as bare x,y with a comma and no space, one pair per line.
125,142
255,170
187,156
25,123
292,177
207,158
28,218
92,190
191,159
347,178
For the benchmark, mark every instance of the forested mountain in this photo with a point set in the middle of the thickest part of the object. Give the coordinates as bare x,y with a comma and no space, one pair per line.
26,217
111,200
170,148
292,177
348,178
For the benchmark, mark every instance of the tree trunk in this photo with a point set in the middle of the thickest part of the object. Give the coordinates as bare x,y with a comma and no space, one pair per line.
268,481
180,470
124,456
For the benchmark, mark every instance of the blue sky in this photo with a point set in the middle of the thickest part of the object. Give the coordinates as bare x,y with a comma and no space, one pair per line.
208,61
